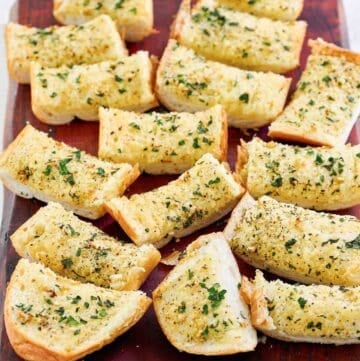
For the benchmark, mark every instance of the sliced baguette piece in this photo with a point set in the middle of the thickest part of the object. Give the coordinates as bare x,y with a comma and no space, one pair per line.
199,197
285,10
319,178
95,41
48,317
198,305
162,143
134,18
78,250
188,82
239,39
296,243
34,165
326,104
315,313
58,95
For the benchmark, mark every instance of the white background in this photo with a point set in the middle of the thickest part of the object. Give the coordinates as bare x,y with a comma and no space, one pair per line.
352,11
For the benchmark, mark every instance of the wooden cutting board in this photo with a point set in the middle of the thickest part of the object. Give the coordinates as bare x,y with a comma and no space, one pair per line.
145,341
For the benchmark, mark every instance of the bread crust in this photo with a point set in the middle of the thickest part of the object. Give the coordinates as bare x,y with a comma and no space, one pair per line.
321,47
30,349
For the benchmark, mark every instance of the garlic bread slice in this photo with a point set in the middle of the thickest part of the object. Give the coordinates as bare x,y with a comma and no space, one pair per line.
239,39
48,317
187,82
315,313
90,43
134,18
78,250
326,104
296,243
320,178
285,10
162,143
34,165
200,196
58,95
198,305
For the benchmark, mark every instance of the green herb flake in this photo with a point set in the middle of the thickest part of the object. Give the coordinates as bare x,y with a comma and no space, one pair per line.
302,302
290,243
67,262
182,307
101,172
244,98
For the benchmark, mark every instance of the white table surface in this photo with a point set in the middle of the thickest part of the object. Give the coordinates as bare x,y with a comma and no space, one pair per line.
352,11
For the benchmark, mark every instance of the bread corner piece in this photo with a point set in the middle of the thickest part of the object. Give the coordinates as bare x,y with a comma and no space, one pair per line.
199,197
298,313
36,166
48,317
198,305
326,103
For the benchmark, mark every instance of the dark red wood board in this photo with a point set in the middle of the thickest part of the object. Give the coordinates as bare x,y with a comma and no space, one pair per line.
146,341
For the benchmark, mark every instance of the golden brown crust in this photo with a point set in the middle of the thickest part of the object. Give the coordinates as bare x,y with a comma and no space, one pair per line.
242,158
224,138
180,19
321,47
316,139
120,217
254,297
21,78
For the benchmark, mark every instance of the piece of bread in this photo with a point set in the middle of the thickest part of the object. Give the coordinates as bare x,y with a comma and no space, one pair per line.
199,197
58,95
48,317
198,305
188,82
316,313
319,178
326,104
285,10
134,18
78,250
93,42
239,39
296,243
162,143
35,165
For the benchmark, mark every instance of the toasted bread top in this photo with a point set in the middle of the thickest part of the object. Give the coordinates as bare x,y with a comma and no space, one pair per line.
92,42
198,304
319,178
81,90
199,196
162,143
239,39
60,319
296,243
316,313
326,103
186,80
59,172
78,250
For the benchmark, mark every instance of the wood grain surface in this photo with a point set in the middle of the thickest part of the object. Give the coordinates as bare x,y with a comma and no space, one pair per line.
145,341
